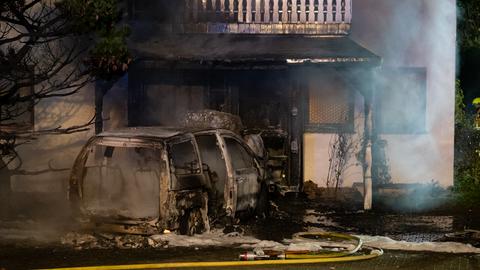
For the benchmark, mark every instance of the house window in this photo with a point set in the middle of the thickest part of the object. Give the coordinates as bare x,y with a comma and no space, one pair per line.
401,101
330,106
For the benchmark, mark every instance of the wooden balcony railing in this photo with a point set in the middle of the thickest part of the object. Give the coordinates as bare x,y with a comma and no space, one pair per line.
271,12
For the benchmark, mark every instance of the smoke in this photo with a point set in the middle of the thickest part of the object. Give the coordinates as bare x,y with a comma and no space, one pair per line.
411,36
122,182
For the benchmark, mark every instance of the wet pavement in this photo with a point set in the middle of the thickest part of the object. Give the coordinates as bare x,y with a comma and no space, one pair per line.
31,258
290,215
301,214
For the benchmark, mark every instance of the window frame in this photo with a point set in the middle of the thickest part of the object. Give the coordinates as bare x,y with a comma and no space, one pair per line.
347,127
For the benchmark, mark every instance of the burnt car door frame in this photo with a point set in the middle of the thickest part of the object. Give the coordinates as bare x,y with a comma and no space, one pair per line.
76,182
196,171
230,192
233,174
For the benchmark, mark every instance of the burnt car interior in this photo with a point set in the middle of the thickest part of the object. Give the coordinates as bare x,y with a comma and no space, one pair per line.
185,166
215,171
122,181
166,178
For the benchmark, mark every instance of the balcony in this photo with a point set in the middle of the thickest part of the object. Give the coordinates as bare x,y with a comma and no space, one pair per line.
314,17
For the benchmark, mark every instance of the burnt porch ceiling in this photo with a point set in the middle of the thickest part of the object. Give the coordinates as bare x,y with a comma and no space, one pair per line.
252,50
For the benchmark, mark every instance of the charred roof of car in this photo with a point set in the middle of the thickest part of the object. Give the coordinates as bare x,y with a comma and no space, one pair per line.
157,132
148,132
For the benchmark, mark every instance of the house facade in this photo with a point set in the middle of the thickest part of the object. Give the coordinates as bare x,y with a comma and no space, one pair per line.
378,75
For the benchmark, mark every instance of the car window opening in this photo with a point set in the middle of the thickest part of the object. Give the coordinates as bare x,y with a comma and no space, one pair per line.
122,183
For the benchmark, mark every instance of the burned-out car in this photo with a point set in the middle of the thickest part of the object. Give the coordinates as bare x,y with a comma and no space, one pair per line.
145,180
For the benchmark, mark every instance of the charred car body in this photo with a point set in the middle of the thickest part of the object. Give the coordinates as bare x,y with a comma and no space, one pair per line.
144,180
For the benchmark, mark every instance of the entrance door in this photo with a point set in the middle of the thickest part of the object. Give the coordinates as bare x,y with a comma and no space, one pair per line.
270,104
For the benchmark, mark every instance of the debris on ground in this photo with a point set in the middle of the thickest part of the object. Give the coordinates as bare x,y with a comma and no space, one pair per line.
104,241
443,247
471,237
217,238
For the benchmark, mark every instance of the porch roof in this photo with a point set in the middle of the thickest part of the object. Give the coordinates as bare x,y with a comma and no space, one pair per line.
230,50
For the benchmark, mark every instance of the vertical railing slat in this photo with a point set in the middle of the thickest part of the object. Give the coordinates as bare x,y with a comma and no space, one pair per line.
342,11
294,11
266,16
231,14
248,14
240,11
303,15
311,16
284,11
348,11
307,10
329,11
258,11
269,11
275,11
324,11
337,16
314,11
216,10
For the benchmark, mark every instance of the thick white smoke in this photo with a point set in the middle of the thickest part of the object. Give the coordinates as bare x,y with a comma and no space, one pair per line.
411,34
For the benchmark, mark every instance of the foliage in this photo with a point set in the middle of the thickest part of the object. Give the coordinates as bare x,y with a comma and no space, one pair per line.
380,165
342,147
467,165
467,138
469,23
53,49
90,15
109,58
467,155
460,116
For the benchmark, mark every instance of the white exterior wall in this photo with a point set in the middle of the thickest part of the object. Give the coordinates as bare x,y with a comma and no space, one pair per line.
57,150
60,151
407,33
316,156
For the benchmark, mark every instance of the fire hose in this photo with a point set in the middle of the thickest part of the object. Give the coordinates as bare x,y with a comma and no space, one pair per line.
269,258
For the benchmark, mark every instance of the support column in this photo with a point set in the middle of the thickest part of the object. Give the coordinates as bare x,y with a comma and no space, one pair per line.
369,138
367,148
101,88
